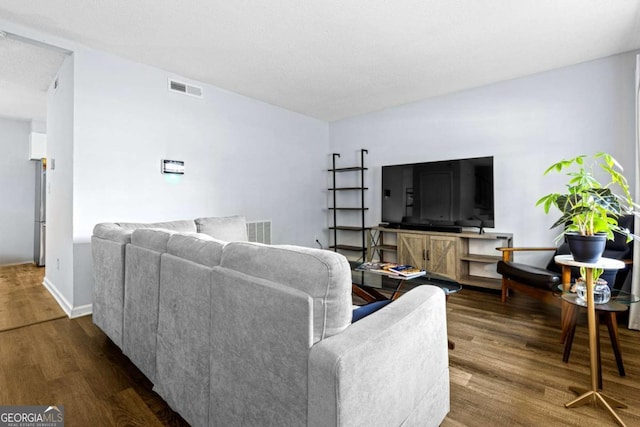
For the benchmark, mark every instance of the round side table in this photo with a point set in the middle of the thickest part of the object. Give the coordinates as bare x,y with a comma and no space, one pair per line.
607,312
592,395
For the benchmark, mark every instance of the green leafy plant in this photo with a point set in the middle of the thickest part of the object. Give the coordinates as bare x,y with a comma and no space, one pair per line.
589,206
595,273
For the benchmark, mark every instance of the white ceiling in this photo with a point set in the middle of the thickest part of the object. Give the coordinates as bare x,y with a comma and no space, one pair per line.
333,59
26,70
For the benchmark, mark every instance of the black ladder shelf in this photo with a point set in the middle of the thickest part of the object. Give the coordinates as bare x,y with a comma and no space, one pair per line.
359,228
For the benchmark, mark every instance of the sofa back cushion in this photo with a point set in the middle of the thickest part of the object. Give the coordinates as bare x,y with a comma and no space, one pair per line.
155,239
183,345
121,231
112,232
141,294
185,225
227,229
323,275
196,247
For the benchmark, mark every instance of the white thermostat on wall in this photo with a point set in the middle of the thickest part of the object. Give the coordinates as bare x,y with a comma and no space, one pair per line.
173,166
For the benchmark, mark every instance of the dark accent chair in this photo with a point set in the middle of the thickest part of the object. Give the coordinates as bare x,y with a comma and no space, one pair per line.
536,282
542,283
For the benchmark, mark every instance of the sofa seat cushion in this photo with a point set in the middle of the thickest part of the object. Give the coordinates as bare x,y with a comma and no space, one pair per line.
533,276
196,247
323,275
228,229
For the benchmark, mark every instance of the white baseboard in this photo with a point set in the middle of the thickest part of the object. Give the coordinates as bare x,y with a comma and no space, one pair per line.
69,310
83,310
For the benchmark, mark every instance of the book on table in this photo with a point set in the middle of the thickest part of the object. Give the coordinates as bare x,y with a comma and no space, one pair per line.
376,267
392,269
407,271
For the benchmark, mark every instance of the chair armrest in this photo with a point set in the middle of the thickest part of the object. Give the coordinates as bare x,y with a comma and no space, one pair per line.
507,252
387,368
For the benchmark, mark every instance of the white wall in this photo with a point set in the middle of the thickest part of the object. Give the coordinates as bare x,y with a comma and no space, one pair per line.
59,250
241,156
244,156
526,124
38,126
17,193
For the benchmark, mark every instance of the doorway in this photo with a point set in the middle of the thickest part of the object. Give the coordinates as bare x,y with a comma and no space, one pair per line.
29,68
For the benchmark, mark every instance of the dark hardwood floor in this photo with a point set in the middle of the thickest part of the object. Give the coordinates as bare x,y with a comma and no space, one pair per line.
71,362
506,369
23,299
48,359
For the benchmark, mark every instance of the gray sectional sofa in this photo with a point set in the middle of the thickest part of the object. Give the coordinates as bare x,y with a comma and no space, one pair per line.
238,333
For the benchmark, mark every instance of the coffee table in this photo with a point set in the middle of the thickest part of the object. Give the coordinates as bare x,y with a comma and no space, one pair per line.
370,286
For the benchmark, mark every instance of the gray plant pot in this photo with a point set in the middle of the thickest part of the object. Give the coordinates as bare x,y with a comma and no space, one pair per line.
586,248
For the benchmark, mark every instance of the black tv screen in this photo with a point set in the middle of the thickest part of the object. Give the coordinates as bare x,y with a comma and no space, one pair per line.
451,193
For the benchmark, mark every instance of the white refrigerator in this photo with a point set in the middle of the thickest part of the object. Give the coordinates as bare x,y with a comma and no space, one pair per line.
40,213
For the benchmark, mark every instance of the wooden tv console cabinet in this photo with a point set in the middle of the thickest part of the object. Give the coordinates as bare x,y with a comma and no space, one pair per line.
468,257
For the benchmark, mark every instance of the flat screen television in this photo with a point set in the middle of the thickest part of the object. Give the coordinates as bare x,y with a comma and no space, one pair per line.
440,196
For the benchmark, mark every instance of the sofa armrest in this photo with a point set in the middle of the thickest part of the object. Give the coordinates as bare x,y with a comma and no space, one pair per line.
113,232
387,369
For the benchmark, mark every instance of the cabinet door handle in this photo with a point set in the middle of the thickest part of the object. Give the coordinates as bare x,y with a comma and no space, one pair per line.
425,254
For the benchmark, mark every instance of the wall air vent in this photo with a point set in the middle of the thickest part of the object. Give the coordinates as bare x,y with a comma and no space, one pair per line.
184,88
259,231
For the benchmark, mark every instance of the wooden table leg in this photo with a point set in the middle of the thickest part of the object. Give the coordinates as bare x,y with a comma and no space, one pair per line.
396,294
450,343
565,307
599,356
612,326
369,295
572,316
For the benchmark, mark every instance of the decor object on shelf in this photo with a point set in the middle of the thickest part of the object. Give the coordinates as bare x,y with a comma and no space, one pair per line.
590,209
601,290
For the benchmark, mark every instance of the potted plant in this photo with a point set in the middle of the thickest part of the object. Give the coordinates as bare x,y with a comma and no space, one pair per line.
590,208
